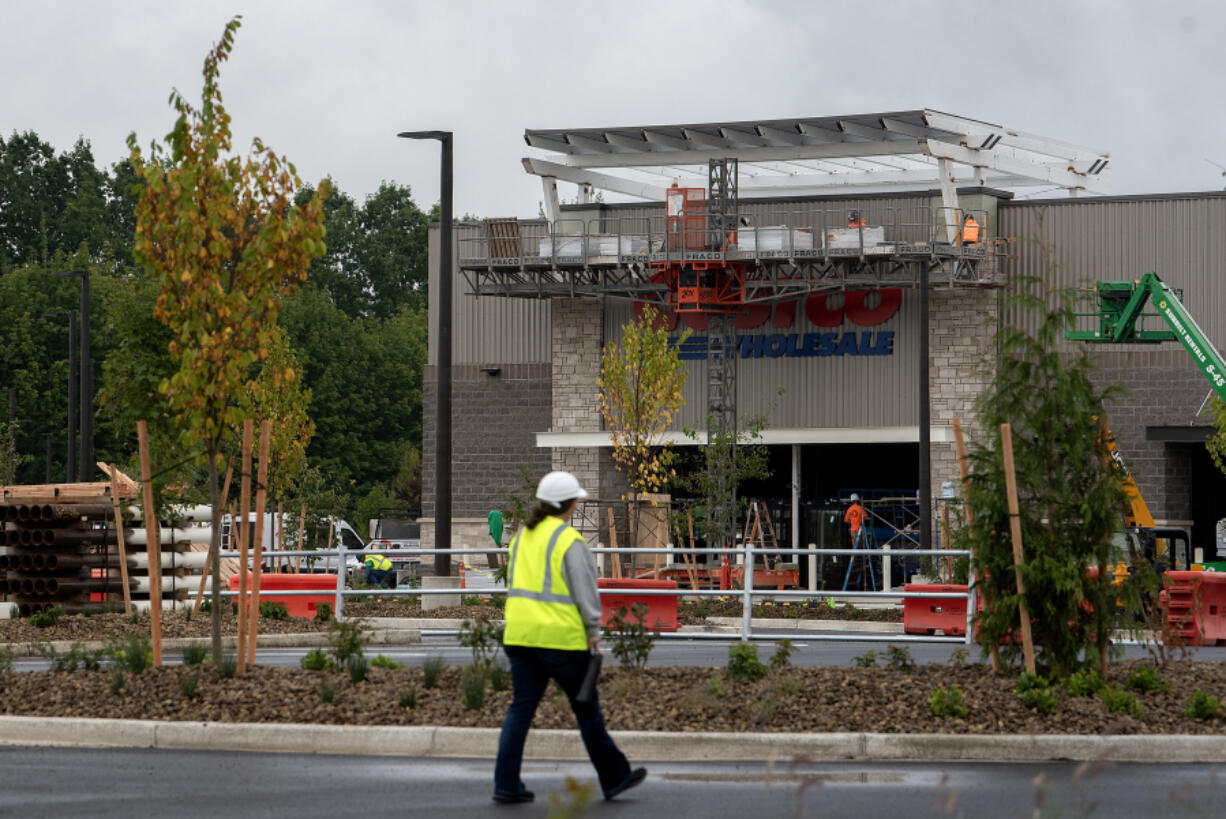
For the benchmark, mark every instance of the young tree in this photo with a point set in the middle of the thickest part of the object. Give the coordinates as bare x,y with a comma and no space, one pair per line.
640,393
224,240
1070,500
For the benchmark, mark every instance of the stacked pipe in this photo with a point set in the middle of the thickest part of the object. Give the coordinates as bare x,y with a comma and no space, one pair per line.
64,554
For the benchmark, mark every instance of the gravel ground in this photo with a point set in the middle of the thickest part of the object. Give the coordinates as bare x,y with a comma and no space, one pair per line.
667,699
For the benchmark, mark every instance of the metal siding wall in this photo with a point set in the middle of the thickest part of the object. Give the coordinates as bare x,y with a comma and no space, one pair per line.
1181,239
820,392
487,330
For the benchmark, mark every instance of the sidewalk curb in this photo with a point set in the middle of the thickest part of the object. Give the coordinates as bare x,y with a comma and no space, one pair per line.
302,639
640,746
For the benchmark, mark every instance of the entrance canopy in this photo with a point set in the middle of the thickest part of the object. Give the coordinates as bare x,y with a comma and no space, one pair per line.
841,156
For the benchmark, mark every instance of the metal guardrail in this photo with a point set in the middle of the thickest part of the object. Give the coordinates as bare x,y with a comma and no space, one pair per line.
746,551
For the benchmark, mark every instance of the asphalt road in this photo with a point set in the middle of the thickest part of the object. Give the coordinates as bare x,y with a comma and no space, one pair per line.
707,653
52,783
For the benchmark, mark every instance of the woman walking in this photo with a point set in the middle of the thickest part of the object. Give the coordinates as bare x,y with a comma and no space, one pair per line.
552,627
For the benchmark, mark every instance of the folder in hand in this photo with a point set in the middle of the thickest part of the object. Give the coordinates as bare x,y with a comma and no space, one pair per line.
587,690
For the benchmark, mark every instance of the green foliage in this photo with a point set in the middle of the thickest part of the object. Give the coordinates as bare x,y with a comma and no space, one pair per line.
743,662
323,612
631,643
116,683
1084,683
715,687
1118,701
472,685
470,600
782,657
188,684
6,659
1070,504
132,653
228,667
47,618
327,691
1203,706
10,459
1146,678
1031,682
1217,444
358,666
384,661
500,677
78,656
959,656
866,660
948,703
316,660
899,658
272,610
789,686
407,698
1043,700
195,653
348,639
432,670
484,637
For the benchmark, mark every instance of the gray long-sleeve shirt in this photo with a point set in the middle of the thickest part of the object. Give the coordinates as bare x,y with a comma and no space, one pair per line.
579,571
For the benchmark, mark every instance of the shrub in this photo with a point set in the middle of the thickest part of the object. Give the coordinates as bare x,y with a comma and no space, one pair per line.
206,606
348,639
630,643
715,686
484,637
866,660
228,667
1118,701
500,677
195,653
431,670
470,600
323,612
316,660
384,661
899,658
948,703
6,659
472,684
1203,706
1031,682
959,656
743,662
133,653
116,683
188,683
327,691
787,685
1043,700
47,617
1084,683
408,697
78,657
272,610
782,657
1146,678
358,667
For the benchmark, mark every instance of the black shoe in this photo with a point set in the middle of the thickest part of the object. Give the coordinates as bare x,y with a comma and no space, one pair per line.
636,776
512,798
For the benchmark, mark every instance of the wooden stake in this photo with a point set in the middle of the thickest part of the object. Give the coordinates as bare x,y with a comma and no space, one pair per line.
1015,532
617,560
689,518
153,549
965,471
280,544
208,558
261,496
244,505
301,532
328,558
123,552
1104,433
948,573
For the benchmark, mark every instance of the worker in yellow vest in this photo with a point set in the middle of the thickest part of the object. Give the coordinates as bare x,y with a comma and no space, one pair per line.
378,571
552,628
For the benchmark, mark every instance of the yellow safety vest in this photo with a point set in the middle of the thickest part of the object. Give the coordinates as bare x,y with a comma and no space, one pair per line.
378,562
540,612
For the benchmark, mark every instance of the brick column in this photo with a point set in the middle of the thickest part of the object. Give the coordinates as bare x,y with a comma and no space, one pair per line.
962,325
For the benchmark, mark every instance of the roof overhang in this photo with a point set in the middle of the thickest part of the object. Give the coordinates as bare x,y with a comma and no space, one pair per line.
848,155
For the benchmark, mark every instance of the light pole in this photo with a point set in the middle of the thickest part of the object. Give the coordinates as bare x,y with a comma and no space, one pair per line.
442,423
86,378
72,389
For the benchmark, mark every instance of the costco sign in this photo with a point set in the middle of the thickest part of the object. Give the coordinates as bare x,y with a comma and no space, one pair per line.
861,308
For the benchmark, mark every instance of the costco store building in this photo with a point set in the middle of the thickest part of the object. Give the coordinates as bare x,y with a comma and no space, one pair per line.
837,370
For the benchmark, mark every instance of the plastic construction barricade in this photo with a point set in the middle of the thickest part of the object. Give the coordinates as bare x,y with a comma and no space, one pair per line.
299,605
661,608
1194,605
927,615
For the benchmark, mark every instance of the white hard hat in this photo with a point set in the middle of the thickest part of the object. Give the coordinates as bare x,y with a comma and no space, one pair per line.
557,487
854,496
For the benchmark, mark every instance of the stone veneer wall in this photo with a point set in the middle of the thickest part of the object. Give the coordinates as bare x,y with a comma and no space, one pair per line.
961,345
578,332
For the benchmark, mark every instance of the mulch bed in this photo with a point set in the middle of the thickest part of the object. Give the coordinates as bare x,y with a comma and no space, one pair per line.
664,699
83,628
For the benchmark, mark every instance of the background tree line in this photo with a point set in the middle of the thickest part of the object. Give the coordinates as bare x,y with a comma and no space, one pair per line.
356,330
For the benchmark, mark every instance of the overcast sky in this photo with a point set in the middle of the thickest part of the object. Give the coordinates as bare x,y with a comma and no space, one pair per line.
329,84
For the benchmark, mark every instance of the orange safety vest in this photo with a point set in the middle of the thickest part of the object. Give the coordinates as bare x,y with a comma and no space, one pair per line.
970,231
854,517
855,223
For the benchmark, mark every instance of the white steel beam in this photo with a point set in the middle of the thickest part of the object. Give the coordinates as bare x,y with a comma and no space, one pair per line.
1018,139
656,138
549,144
764,154
863,131
993,159
553,208
706,139
630,143
949,198
818,132
581,176
776,135
585,144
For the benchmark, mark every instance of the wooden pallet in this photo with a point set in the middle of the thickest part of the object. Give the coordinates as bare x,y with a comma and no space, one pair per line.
72,492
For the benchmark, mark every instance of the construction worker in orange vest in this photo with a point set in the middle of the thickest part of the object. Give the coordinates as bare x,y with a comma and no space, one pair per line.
854,220
854,518
970,230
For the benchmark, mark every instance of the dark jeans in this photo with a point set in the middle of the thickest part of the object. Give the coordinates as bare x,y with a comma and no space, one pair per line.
379,578
531,670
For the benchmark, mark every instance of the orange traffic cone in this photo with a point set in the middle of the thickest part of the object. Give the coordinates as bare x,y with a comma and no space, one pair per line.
462,579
